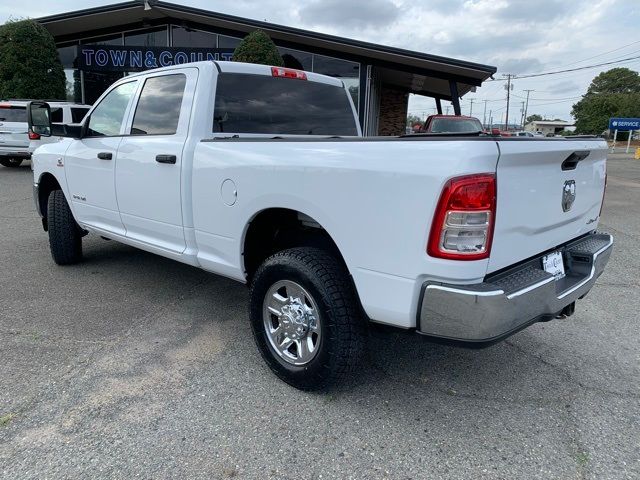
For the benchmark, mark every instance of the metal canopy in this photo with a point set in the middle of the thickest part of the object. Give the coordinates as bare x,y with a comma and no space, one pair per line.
417,72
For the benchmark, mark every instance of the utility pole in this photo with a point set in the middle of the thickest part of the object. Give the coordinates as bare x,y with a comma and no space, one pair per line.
447,112
526,107
471,107
522,114
484,114
490,119
508,87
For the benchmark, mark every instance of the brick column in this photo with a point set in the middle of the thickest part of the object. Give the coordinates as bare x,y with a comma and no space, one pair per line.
393,110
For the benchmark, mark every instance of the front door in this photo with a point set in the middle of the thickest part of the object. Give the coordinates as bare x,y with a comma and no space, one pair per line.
149,167
90,162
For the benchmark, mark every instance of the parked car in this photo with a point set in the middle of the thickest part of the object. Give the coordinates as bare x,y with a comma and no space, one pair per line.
451,124
261,174
17,143
14,141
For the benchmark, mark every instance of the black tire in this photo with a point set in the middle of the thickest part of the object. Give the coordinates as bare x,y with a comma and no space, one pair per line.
65,236
11,162
341,323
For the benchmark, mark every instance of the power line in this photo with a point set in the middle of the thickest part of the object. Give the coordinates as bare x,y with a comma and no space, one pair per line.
546,99
569,69
601,54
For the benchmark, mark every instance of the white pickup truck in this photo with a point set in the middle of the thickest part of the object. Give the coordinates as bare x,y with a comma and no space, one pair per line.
261,174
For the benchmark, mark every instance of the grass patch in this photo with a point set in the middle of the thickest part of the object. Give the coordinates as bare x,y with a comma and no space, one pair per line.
5,419
582,458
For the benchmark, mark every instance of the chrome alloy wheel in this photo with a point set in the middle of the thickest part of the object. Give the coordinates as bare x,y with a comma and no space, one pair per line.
292,322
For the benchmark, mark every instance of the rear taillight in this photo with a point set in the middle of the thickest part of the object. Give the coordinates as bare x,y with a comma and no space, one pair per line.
33,136
288,73
463,223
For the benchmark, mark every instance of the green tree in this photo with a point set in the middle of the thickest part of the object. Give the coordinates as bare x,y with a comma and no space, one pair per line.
413,119
615,93
533,118
616,80
29,63
257,47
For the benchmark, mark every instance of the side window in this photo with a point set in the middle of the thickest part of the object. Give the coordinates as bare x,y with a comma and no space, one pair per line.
78,113
108,116
158,109
56,115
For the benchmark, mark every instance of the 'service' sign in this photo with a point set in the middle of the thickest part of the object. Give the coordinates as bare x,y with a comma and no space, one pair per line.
624,124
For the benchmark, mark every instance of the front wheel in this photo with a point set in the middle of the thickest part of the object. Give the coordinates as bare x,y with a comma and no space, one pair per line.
65,235
11,162
306,318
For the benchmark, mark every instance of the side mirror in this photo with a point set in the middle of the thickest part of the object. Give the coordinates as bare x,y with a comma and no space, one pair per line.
39,118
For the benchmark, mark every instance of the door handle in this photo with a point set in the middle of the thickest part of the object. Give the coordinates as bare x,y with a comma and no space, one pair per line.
166,158
105,155
571,162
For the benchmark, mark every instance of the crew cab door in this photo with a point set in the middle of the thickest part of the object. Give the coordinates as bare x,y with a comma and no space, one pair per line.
90,161
148,171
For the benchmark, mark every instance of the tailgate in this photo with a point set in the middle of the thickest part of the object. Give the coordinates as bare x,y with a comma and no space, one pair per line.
13,126
543,202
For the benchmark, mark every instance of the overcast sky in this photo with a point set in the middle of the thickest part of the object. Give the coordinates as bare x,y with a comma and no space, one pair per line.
520,37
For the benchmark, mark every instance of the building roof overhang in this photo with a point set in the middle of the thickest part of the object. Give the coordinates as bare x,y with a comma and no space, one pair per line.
417,72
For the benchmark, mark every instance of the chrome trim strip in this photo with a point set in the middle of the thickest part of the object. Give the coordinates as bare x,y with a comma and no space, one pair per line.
474,293
531,287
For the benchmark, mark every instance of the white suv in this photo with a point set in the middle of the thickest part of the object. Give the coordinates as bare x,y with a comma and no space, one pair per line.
14,139
16,142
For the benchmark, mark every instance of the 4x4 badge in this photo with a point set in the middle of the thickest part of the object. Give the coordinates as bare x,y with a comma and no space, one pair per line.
568,195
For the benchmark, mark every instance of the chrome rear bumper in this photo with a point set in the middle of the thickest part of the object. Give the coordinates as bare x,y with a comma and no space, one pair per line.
509,301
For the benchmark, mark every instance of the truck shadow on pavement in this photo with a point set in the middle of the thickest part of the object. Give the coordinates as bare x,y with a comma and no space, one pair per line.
395,360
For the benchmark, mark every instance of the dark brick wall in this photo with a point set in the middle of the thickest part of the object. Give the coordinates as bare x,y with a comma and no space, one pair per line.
393,110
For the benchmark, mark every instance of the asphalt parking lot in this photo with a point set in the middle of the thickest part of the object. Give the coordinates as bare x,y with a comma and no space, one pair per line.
130,365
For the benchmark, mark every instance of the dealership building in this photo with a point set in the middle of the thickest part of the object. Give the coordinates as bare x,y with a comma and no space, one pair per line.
99,45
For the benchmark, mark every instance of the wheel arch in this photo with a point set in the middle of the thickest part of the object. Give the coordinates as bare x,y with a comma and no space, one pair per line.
47,183
275,229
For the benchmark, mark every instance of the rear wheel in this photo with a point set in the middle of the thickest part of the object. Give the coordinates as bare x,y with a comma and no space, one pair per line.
65,235
305,318
11,162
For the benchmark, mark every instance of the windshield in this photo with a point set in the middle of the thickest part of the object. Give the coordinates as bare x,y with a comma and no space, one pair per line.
456,125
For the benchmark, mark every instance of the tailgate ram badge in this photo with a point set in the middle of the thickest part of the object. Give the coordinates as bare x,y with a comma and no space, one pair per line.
568,195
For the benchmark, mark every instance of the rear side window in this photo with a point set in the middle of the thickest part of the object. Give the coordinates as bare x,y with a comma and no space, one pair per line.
9,113
158,109
56,115
78,113
281,106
